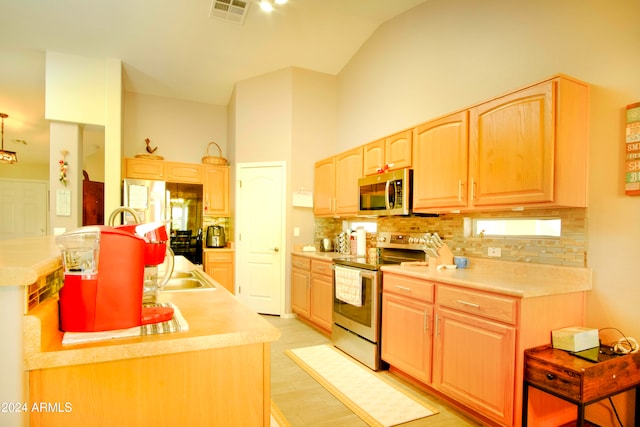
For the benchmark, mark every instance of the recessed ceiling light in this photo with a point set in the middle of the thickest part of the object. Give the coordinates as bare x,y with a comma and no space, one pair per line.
266,6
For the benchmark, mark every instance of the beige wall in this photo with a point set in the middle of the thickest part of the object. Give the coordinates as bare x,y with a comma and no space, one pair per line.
287,115
448,54
180,129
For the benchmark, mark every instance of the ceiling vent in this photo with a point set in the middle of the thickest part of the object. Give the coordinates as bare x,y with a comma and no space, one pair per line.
229,10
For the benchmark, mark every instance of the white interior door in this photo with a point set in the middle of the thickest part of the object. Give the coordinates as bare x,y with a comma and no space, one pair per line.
23,208
260,214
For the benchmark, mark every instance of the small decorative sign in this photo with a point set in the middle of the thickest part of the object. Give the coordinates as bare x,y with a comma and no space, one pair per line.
632,152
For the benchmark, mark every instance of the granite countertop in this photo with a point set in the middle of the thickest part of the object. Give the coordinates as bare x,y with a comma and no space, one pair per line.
22,261
517,279
215,317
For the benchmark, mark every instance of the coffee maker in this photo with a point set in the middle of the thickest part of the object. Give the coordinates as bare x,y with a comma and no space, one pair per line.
103,278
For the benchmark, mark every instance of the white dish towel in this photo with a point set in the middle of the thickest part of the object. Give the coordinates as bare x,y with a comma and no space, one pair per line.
348,286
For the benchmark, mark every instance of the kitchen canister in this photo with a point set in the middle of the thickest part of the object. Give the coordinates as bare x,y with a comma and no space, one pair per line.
361,244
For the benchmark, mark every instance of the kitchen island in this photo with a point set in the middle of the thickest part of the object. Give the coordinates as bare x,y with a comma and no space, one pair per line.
216,373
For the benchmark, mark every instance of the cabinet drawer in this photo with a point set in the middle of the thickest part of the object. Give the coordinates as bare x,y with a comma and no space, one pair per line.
554,378
301,262
321,267
503,309
213,256
408,286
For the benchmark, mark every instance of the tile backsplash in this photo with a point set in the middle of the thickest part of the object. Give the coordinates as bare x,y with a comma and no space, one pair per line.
569,249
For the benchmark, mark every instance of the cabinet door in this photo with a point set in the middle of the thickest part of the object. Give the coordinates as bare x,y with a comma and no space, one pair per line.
398,150
474,363
184,172
324,187
322,301
300,292
373,157
348,171
219,265
144,169
216,191
407,335
440,156
512,143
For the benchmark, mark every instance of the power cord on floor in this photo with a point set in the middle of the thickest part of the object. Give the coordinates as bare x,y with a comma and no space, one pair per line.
624,345
615,412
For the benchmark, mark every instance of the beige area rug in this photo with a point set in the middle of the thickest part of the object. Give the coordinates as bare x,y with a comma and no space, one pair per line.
368,395
277,418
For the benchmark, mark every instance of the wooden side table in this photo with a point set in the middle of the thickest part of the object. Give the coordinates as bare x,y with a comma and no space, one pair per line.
577,380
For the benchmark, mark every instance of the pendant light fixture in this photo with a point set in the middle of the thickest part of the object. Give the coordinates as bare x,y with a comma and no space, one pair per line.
8,157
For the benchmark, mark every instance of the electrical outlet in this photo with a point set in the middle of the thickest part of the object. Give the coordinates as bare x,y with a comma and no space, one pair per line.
495,252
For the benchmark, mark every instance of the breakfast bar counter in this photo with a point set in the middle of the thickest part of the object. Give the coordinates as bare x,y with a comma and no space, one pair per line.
216,373
215,319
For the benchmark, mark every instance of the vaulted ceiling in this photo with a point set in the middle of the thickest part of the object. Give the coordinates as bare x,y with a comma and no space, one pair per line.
190,49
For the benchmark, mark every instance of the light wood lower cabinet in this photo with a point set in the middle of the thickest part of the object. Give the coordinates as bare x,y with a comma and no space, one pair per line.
407,338
219,265
227,386
312,290
474,363
472,349
301,286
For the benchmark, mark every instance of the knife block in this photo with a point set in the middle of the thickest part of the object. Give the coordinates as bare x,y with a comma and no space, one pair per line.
446,256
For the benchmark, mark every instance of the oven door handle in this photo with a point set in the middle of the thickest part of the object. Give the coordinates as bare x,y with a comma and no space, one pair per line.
362,273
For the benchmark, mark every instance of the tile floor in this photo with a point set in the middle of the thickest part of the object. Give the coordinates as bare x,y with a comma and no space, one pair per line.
305,403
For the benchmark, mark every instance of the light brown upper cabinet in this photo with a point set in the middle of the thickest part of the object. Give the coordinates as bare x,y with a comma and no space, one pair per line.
183,172
394,150
529,148
324,183
522,150
336,184
216,191
348,172
440,157
144,169
160,170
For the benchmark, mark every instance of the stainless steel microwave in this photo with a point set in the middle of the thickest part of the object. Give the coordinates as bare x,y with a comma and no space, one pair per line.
387,193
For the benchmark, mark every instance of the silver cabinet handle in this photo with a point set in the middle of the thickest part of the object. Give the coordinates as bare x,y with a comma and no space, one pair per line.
468,304
473,189
403,288
425,324
437,327
459,190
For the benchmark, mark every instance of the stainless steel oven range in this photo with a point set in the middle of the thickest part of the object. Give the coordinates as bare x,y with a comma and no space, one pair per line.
357,293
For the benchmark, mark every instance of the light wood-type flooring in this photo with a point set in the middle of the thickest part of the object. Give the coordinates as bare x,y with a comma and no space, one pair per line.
304,402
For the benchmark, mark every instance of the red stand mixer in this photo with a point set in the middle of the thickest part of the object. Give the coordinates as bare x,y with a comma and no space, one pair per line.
104,274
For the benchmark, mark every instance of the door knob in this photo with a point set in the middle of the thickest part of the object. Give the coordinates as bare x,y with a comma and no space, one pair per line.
276,249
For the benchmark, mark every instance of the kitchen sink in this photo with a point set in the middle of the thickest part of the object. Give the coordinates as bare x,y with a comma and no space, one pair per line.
193,280
181,275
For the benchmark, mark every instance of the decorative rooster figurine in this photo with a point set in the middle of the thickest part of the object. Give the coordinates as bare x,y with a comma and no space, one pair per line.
149,149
